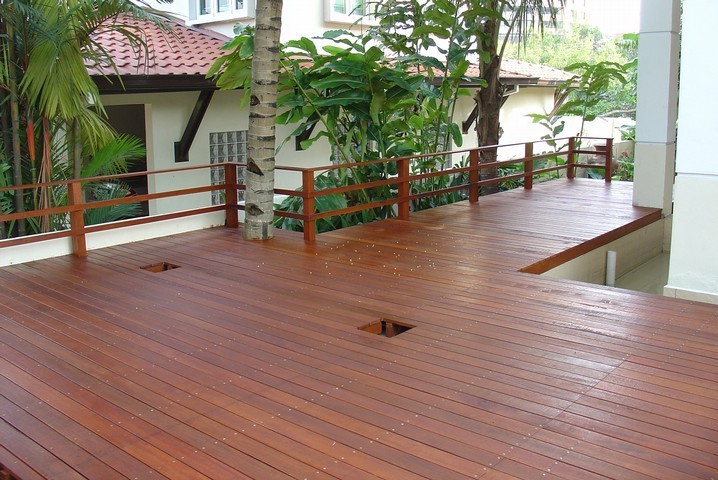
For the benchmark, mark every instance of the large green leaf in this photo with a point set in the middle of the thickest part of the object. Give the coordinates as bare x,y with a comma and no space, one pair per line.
337,80
344,98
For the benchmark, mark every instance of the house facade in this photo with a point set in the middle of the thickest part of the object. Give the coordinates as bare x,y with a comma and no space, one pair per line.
163,94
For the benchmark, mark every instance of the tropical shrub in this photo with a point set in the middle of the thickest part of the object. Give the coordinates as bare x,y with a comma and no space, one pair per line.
366,104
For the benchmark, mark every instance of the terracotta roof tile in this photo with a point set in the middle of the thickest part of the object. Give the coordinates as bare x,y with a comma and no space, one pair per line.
191,51
184,51
544,74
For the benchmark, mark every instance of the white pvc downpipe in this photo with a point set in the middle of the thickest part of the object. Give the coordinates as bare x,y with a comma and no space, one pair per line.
611,268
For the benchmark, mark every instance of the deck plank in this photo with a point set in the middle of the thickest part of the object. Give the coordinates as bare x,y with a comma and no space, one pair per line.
247,361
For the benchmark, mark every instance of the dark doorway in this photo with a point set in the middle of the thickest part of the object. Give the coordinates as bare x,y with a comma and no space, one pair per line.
130,120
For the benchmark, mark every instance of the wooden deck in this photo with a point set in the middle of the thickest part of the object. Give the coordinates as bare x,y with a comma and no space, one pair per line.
247,361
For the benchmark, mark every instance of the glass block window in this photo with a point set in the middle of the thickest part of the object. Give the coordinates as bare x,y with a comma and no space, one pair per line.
227,147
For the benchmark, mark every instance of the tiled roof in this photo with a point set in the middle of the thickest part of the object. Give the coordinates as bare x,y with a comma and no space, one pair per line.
183,51
525,73
545,74
191,51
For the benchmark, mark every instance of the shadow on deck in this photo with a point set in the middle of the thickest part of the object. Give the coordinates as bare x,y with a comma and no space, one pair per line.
247,360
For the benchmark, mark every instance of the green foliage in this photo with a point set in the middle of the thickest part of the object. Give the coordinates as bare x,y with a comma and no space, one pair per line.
332,202
44,49
589,87
437,183
6,197
109,191
368,105
585,46
583,93
113,158
558,49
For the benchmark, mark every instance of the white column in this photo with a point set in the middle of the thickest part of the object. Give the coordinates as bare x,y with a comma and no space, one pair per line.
693,270
658,56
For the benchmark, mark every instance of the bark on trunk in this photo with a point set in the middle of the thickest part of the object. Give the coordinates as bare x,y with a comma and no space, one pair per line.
259,175
489,99
15,127
488,126
6,145
76,148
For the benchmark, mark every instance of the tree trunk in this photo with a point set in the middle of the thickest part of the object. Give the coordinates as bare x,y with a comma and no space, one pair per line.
75,146
259,176
489,99
6,143
15,127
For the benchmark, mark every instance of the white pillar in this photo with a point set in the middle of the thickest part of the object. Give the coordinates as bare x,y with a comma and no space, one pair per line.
693,272
658,57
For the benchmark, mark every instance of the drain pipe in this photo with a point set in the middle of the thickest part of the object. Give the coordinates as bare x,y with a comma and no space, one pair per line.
611,268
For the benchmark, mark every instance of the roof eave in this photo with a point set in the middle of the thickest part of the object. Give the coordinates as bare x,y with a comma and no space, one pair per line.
112,84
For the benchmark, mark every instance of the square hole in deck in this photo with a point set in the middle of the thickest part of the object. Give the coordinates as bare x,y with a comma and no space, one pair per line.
387,327
159,267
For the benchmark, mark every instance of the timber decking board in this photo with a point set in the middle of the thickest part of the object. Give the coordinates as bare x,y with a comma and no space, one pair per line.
247,361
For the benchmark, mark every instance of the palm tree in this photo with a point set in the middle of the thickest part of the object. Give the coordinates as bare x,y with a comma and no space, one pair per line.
520,16
45,51
259,196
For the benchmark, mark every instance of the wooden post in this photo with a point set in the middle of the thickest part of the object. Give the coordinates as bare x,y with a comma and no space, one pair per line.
571,159
77,219
231,207
609,160
404,188
474,176
310,227
528,166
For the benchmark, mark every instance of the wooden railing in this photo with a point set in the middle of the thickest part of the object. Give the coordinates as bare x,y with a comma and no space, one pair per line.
77,230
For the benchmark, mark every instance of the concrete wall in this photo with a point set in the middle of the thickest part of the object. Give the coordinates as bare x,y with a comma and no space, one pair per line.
63,246
693,272
631,251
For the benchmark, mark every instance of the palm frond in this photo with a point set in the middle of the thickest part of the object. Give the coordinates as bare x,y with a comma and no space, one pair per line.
110,191
114,157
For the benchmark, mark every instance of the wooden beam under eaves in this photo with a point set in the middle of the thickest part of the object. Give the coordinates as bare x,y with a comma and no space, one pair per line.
195,120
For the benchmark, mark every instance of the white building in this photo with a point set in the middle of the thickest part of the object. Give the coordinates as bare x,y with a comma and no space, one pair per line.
158,100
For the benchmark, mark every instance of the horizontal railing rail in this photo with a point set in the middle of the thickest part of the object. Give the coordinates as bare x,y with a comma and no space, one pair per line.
401,182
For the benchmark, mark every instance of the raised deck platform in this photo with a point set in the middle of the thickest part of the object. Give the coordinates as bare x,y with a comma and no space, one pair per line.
248,360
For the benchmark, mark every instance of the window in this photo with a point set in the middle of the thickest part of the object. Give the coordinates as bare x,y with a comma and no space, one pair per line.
220,10
345,11
227,147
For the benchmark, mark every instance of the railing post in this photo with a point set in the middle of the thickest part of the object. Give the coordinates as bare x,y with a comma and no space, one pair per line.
528,166
571,158
77,219
404,189
609,160
474,176
310,228
231,206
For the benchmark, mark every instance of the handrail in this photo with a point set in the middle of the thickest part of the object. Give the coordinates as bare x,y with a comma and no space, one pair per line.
76,206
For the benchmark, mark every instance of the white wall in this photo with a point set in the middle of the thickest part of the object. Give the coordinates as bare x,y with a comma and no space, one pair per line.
300,18
518,127
166,115
693,272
